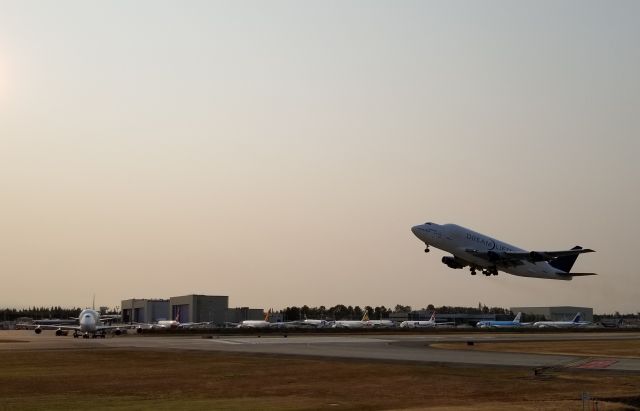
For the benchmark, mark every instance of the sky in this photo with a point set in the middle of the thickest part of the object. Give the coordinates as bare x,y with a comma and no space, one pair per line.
279,152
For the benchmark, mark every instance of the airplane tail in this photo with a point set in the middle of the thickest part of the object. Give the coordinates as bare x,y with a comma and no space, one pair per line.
433,317
517,319
365,317
577,318
565,263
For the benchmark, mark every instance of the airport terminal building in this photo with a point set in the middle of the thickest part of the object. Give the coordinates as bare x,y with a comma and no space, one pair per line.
556,313
194,308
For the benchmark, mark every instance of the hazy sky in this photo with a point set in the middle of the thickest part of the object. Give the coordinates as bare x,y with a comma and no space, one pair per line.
279,152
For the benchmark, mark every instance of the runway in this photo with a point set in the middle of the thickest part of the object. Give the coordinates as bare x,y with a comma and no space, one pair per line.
391,347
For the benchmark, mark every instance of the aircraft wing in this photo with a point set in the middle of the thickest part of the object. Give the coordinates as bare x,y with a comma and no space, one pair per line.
113,327
518,257
535,256
54,327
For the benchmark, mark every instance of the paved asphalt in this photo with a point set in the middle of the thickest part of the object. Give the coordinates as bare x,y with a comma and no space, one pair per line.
381,347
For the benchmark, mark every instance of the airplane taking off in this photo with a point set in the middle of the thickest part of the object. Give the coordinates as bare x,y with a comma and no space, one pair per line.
576,322
90,325
502,324
481,252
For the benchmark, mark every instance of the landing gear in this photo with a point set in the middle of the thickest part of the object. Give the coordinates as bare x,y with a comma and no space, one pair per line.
75,334
426,250
85,335
473,270
490,271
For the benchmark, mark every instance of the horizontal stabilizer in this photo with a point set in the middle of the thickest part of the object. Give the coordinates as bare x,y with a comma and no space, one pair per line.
580,274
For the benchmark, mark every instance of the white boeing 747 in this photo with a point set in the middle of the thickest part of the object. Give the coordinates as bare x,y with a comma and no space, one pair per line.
89,326
481,252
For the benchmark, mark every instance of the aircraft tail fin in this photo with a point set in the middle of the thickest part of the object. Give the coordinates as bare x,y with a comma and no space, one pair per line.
577,318
433,317
566,262
365,317
517,319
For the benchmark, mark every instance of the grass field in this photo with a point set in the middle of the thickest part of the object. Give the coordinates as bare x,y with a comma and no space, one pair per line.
114,379
601,348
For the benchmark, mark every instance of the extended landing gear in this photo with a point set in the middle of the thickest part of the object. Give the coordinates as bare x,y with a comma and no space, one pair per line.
76,335
490,271
473,270
426,250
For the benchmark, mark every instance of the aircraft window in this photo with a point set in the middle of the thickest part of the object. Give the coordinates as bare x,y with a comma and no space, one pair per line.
428,223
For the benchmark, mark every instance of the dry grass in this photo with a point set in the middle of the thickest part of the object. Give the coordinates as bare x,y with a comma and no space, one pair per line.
168,380
600,348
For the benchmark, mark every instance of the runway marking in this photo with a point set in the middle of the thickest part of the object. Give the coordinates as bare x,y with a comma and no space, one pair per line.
597,363
302,340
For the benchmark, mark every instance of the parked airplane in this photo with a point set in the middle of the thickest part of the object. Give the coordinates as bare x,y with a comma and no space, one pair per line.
314,323
173,324
425,324
90,325
576,322
502,324
364,323
481,252
257,323
306,323
351,323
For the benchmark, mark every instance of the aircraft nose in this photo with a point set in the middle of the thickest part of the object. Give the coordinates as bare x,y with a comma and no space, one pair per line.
414,230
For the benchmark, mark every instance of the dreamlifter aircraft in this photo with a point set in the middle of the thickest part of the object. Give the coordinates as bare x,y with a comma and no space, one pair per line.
479,251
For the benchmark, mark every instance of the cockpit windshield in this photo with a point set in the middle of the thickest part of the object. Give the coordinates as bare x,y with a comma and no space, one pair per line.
427,223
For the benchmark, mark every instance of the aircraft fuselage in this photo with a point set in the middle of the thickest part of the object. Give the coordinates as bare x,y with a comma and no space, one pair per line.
457,240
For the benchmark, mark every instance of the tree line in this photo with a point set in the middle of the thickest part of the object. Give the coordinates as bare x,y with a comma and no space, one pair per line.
344,312
38,313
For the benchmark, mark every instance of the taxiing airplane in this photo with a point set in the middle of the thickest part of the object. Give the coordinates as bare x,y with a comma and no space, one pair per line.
502,324
576,322
480,252
425,324
90,325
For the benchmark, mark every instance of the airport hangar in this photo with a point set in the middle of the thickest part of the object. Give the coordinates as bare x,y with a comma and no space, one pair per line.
563,313
194,308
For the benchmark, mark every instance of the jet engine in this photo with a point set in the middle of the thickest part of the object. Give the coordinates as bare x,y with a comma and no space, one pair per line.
452,262
38,330
117,331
